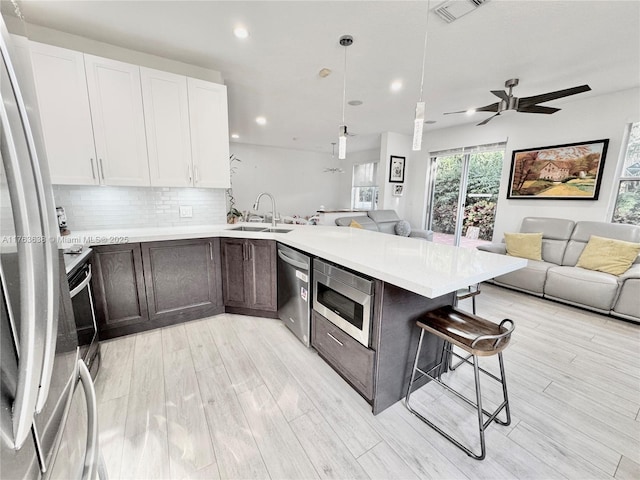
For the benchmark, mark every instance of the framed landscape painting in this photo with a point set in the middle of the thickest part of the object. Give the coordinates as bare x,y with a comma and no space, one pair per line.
572,171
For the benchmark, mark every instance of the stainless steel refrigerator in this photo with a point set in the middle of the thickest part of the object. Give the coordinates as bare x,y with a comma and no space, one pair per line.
48,426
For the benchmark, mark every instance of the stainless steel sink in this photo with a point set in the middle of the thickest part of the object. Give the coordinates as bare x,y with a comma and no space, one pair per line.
244,228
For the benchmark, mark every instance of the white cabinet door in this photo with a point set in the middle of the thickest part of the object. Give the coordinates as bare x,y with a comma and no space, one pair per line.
63,101
209,133
115,97
166,115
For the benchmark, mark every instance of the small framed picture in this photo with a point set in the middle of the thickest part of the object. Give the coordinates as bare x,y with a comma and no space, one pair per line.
396,170
398,190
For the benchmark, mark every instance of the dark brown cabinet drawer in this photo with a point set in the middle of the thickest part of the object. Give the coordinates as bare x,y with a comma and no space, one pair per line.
351,359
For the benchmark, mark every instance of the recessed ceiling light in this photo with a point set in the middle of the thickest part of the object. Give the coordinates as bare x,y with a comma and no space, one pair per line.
241,32
355,103
235,135
261,120
396,85
471,111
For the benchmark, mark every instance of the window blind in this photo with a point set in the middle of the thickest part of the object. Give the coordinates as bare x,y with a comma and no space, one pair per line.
488,147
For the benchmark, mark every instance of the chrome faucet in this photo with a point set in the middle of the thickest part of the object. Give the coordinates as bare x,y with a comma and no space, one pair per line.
273,206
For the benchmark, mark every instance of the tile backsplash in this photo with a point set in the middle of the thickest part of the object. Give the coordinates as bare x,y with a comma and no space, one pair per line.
97,208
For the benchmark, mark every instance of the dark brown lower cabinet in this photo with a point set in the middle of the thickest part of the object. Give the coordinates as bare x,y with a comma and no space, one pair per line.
182,279
119,290
143,286
249,275
348,357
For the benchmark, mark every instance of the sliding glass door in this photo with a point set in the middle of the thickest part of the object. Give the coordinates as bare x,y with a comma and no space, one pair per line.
464,187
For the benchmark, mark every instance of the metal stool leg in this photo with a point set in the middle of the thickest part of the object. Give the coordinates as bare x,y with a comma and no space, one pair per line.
504,393
415,369
473,304
481,424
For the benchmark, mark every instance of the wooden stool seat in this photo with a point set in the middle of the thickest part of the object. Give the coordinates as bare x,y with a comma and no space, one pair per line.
478,337
466,331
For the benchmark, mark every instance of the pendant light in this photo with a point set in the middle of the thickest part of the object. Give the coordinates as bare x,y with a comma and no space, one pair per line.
418,122
345,41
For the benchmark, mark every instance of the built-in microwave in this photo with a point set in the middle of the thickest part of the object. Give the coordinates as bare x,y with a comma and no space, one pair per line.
343,298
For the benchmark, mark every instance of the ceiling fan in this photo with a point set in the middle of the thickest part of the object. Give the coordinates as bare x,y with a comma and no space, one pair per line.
525,104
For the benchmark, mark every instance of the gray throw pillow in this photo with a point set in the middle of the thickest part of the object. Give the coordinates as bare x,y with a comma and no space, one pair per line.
403,228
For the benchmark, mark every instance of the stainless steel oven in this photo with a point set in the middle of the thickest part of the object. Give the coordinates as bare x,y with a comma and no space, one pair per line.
343,298
84,313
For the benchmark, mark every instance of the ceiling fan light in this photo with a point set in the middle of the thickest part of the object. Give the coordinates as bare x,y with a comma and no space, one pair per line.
418,125
342,143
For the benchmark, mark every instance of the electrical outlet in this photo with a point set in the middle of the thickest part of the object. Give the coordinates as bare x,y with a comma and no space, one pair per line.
186,211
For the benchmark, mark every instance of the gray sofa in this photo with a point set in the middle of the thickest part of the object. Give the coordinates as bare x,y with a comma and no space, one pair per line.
556,276
382,221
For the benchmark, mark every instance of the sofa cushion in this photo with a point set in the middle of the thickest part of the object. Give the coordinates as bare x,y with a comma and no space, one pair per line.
403,228
580,286
365,222
608,255
385,219
556,232
524,245
530,278
583,231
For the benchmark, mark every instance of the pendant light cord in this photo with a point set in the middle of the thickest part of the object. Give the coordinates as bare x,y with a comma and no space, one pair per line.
344,84
424,52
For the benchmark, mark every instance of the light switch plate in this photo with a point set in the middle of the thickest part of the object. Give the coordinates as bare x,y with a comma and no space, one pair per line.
186,211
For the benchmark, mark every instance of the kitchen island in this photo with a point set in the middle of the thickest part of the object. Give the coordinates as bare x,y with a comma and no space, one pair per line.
411,277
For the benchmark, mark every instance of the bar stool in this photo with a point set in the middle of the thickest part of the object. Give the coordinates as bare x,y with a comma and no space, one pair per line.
472,291
479,338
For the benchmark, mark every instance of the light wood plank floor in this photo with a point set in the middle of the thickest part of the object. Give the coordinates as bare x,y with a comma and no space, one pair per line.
239,397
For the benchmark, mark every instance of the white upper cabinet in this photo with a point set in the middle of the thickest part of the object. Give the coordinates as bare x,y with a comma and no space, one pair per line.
209,133
115,96
65,116
166,115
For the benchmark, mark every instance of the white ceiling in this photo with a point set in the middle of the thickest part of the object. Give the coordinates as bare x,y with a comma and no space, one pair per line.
549,45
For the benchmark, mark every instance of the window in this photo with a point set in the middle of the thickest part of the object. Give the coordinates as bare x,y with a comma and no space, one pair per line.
627,208
364,189
463,193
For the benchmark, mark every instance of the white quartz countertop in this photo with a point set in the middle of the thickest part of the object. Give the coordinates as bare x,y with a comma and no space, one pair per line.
416,265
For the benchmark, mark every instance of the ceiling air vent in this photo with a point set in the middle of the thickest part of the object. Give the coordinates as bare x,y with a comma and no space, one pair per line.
454,9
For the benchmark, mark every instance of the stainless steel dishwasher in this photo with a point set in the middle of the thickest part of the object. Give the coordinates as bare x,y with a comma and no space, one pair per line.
294,293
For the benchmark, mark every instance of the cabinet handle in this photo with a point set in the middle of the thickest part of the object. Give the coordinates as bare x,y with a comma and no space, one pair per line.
189,172
211,251
336,340
244,252
93,171
197,173
101,168
249,252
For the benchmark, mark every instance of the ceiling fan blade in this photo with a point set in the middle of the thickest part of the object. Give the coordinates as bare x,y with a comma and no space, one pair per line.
501,94
494,107
546,97
451,113
484,122
537,109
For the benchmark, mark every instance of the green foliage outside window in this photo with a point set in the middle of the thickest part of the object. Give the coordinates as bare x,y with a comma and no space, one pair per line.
485,170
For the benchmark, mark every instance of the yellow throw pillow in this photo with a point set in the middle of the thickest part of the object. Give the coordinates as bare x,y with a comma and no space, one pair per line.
608,255
524,245
355,224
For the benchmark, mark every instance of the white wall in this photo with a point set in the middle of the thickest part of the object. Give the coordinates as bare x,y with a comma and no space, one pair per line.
590,118
49,36
296,178
410,205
